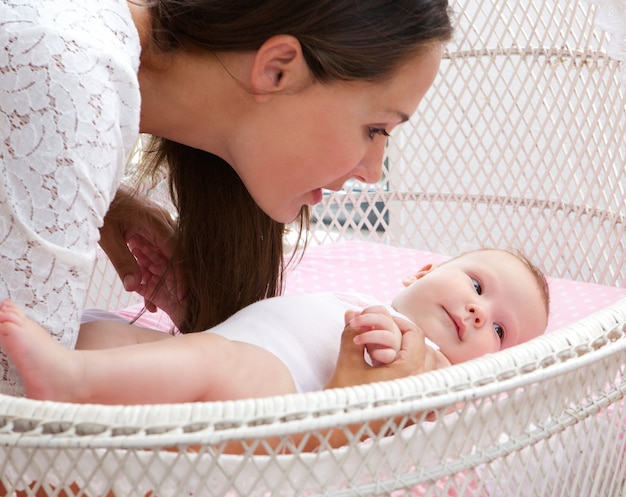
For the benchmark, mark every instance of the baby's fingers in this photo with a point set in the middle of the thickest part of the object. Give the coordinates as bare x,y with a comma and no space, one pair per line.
376,309
373,321
382,338
149,251
380,356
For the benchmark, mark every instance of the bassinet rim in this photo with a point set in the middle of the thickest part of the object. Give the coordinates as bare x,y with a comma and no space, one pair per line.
33,423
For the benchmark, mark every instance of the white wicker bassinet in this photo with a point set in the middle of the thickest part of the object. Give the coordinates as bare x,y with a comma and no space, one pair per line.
521,143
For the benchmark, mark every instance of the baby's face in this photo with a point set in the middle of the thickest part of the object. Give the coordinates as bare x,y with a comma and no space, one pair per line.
481,302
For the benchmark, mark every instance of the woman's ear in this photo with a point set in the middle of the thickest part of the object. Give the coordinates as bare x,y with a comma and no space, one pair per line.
409,280
278,66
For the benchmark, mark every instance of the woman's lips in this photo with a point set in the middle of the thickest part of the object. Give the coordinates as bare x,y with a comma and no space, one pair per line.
317,196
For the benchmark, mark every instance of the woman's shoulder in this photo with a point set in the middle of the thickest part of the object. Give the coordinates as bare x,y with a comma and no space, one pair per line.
610,16
67,27
71,62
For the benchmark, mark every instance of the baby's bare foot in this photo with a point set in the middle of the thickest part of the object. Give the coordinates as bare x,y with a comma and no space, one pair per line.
44,365
12,321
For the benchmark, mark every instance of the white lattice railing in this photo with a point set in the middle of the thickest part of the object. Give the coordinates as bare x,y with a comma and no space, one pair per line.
521,142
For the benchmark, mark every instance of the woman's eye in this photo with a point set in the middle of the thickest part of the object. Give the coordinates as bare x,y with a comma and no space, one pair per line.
499,330
477,287
377,131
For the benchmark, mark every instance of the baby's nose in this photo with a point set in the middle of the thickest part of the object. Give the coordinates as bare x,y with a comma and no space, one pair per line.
476,314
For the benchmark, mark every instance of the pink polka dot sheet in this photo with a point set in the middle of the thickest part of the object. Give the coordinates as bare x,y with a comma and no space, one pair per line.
378,269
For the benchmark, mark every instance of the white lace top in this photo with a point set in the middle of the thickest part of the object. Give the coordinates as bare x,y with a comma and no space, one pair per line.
611,17
69,116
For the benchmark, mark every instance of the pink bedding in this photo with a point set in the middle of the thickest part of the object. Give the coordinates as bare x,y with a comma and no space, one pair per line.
378,269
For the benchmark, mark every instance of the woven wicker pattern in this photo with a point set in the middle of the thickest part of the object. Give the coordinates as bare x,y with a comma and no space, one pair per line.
521,143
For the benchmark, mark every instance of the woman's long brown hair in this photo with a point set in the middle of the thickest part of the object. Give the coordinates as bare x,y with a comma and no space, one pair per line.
227,250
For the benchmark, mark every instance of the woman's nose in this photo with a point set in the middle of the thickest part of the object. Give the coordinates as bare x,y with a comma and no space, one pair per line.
370,168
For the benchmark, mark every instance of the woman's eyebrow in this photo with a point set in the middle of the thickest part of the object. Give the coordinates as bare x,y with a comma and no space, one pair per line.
403,117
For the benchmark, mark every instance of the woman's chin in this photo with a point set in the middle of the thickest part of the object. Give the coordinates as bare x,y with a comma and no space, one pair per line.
287,214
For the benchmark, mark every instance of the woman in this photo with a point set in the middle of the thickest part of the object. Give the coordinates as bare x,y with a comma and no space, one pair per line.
254,104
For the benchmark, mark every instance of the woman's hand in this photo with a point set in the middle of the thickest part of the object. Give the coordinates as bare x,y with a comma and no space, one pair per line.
413,357
135,219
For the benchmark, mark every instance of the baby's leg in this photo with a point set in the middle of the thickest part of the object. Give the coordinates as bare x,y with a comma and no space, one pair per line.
49,371
96,335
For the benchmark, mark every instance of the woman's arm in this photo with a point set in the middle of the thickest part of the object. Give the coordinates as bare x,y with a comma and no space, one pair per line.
66,130
414,357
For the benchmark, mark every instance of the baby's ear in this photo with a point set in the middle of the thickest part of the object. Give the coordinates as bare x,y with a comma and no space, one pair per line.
409,280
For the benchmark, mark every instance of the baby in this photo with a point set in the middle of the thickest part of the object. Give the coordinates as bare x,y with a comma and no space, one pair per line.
479,302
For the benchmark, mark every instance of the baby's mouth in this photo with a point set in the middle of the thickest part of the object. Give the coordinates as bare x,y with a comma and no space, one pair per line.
458,325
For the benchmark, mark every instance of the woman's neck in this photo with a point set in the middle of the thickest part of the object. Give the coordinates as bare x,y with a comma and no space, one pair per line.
190,96
191,99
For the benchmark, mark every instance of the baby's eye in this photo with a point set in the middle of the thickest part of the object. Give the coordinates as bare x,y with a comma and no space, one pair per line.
477,287
372,132
499,330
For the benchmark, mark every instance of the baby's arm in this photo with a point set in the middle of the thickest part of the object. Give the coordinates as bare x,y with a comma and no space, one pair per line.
162,285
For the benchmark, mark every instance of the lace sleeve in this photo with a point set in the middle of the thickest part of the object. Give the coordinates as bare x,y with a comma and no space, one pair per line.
69,114
611,17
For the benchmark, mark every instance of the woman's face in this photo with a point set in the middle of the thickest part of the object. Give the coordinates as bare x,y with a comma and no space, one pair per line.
325,134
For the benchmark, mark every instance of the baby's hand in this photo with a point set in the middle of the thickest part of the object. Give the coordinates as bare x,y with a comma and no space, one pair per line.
379,333
161,284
